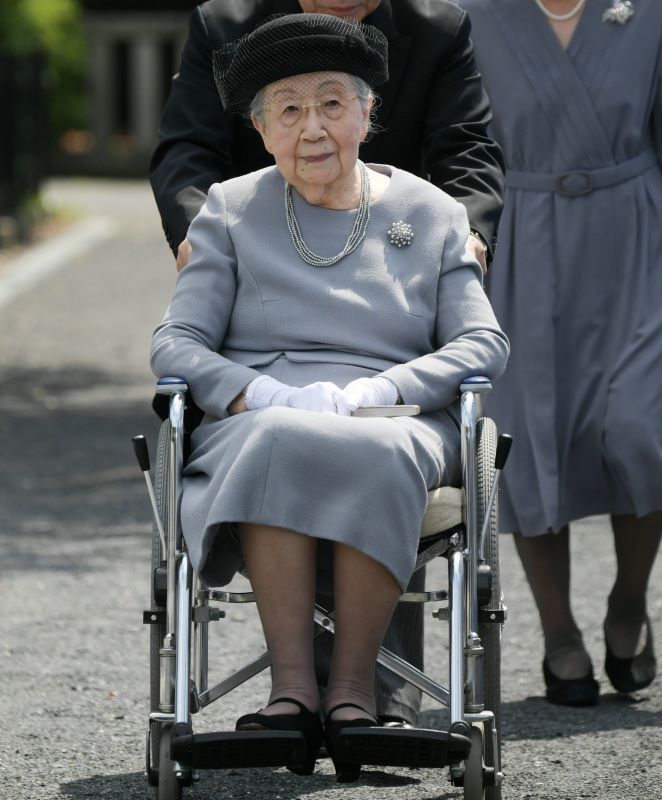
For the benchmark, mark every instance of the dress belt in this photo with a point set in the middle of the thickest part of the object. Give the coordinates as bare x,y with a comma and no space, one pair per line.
580,182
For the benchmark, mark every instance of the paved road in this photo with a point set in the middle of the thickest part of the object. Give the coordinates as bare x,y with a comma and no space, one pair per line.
75,530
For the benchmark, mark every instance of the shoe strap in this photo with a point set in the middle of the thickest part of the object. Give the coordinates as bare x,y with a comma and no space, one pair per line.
294,702
348,705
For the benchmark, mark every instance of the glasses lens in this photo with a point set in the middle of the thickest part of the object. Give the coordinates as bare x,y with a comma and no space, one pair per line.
330,104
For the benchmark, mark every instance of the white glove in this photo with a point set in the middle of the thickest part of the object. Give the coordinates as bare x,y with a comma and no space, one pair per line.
266,391
370,392
322,396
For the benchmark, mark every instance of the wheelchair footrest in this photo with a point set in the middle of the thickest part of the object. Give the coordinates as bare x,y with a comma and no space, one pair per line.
402,747
239,749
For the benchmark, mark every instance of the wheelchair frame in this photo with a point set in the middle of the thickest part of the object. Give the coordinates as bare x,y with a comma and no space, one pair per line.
181,611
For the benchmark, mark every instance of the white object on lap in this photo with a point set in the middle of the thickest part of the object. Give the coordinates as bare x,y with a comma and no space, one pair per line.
387,411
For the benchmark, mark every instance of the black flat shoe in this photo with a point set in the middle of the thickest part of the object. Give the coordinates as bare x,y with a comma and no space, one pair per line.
631,674
346,771
306,722
582,691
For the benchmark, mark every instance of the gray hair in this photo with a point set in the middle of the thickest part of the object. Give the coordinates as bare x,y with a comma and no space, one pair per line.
363,92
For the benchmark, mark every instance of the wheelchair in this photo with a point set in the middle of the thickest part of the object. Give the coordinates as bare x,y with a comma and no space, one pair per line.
460,525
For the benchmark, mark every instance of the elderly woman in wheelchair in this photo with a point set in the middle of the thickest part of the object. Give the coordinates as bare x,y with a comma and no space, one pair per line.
326,303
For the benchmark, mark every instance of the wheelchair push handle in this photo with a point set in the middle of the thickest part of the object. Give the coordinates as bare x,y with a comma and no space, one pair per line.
504,443
142,452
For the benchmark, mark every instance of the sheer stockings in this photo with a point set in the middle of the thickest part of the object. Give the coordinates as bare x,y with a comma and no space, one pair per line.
546,562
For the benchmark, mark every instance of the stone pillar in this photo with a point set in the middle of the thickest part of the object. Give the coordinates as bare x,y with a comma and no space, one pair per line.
145,89
102,89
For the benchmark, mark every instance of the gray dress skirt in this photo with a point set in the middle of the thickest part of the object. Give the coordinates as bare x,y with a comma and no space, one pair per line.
577,278
247,304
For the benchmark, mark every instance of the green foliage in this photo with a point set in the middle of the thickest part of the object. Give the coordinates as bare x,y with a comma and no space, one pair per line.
53,27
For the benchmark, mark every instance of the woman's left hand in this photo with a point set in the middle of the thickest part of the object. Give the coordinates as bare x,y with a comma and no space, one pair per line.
370,392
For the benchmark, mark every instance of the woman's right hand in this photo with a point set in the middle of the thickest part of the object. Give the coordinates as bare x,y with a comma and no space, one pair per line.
322,396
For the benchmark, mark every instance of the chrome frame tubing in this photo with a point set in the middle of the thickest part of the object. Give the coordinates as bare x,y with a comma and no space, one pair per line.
456,619
176,461
168,653
182,638
469,416
200,642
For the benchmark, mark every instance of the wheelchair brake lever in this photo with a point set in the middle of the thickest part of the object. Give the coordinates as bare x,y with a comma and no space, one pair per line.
142,454
504,443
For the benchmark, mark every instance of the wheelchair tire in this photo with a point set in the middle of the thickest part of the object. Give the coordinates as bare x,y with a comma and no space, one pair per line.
490,633
473,766
158,631
169,787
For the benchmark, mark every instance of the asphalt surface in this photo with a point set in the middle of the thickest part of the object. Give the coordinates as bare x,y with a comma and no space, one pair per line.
75,533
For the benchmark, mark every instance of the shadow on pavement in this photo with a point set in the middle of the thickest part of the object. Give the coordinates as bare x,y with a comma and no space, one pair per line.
533,718
69,476
244,783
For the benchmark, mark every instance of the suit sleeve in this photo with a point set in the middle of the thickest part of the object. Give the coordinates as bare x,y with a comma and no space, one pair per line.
468,335
459,156
195,138
187,342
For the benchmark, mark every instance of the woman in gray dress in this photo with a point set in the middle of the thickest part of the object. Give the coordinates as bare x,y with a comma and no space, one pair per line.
576,92
315,287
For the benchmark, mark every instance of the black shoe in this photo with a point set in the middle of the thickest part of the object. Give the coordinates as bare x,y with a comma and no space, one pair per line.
582,691
631,674
346,771
306,722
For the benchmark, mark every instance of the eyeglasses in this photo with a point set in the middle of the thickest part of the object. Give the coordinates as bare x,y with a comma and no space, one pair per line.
333,107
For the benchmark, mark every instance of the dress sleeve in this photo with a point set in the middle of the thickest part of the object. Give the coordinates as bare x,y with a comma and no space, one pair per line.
195,138
468,335
459,155
187,342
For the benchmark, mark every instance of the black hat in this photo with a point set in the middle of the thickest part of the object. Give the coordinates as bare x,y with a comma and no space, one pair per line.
293,44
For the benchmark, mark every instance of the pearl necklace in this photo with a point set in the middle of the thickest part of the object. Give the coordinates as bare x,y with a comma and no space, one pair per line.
560,17
356,235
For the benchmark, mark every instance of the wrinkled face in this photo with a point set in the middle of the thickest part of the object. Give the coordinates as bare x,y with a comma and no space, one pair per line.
313,125
356,9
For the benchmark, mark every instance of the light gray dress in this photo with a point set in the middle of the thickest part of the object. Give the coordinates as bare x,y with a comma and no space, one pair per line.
247,304
577,278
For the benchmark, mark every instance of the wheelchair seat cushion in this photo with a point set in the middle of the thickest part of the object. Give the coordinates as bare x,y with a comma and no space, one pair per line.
359,481
443,512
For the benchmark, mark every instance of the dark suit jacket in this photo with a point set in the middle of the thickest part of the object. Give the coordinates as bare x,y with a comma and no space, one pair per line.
433,112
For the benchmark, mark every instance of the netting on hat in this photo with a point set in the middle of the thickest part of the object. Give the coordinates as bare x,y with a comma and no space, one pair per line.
296,44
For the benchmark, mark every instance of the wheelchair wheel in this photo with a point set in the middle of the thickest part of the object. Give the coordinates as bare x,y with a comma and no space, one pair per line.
490,633
169,787
157,631
473,766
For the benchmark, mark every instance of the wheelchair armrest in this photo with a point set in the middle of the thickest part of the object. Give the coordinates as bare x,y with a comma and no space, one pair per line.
165,388
478,384
171,385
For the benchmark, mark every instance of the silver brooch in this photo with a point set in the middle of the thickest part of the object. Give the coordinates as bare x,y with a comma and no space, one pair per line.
401,233
620,11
